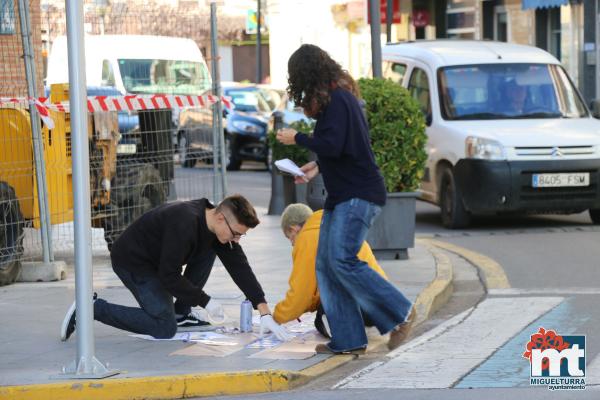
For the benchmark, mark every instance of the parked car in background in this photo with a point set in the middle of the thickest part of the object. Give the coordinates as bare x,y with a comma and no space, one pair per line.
507,130
246,124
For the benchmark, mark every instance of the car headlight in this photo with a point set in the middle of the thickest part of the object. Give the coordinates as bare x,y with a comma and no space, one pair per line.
247,127
484,149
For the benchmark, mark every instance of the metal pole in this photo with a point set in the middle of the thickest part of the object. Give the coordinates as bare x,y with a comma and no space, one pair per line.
38,146
389,17
85,365
597,47
375,38
216,140
258,44
218,122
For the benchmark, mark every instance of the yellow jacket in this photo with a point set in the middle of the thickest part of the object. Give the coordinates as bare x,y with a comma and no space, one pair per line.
303,294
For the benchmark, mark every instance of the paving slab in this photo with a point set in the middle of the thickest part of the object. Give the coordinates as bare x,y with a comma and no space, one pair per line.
32,354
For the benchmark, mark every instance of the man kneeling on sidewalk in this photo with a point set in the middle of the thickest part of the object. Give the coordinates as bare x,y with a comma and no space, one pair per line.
301,226
149,257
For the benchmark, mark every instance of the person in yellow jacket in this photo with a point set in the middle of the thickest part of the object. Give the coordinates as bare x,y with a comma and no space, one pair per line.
301,226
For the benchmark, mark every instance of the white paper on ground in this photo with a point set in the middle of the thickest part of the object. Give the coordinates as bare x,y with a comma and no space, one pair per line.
306,324
204,337
287,165
199,349
300,348
265,342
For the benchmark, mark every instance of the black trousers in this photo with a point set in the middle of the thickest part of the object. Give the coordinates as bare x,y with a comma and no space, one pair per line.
197,271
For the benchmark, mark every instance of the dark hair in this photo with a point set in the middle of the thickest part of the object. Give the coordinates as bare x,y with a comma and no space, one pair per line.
241,209
312,75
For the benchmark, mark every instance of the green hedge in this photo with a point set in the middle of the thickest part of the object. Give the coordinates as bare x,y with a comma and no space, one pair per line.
397,128
296,153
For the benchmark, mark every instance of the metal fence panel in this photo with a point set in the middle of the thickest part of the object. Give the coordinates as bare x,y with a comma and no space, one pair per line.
138,159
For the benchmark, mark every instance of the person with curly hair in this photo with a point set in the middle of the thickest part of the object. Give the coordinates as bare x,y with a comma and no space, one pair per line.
356,193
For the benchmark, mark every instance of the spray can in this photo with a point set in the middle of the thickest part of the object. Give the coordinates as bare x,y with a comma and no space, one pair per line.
246,316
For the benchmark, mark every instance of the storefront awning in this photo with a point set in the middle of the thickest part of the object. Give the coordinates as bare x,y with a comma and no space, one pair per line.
528,4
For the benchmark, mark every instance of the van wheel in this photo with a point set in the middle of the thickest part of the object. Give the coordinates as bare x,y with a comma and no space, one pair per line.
183,147
11,235
454,214
595,215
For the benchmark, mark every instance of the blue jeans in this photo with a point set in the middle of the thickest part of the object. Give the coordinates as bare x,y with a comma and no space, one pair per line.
156,317
348,285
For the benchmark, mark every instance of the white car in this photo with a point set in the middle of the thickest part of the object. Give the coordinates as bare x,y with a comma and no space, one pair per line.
507,130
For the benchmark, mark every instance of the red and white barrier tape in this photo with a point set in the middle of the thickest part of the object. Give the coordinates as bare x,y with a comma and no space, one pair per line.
116,103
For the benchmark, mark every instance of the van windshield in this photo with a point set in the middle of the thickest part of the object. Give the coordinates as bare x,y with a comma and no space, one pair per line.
164,76
507,91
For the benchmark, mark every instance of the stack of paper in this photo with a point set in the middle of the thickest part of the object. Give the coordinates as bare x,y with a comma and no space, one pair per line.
287,165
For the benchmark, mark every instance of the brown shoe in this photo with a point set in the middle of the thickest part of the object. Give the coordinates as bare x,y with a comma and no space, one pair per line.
324,349
399,334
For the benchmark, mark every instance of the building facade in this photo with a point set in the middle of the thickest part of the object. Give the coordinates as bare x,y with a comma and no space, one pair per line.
13,80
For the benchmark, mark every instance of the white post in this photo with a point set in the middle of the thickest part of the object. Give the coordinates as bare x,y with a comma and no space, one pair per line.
218,120
85,365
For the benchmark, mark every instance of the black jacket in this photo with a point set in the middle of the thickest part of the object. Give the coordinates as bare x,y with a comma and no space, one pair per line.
164,239
346,161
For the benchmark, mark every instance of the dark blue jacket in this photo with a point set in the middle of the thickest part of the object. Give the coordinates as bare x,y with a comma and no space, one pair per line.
341,142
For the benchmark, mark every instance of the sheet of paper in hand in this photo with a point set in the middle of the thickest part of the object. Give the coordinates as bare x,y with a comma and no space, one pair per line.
287,165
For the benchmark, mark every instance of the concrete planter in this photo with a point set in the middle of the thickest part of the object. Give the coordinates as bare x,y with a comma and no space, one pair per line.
316,193
284,192
393,231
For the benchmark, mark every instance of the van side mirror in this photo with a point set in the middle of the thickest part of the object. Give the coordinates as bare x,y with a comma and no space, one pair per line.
595,107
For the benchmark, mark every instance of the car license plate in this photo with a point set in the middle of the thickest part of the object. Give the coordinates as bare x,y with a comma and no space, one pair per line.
126,148
560,180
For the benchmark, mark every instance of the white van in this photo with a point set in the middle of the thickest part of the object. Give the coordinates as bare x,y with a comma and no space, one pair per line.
139,64
136,64
507,130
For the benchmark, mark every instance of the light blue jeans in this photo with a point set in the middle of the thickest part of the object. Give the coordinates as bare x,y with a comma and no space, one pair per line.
348,285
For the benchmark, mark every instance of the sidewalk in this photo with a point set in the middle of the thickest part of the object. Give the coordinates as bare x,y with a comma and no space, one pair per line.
32,355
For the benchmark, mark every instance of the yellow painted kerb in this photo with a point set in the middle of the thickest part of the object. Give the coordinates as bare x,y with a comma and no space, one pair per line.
439,290
174,387
494,275
163,387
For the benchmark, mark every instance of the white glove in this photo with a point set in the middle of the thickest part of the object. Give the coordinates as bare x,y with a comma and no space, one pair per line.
267,323
215,311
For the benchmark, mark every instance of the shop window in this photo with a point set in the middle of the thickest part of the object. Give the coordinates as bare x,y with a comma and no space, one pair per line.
7,17
500,24
461,19
548,30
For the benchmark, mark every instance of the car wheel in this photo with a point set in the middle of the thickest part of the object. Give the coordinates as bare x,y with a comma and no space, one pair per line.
187,161
11,235
454,214
595,215
232,160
